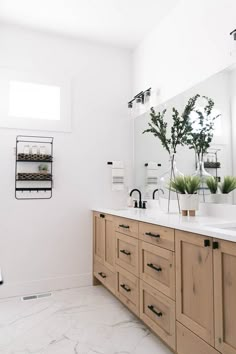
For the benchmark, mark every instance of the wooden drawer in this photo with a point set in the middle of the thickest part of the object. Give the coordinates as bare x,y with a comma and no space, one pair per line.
105,276
127,226
158,312
157,268
127,253
188,342
128,289
157,235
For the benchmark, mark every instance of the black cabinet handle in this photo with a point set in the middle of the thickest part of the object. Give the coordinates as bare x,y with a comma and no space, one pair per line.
125,287
127,253
152,235
102,216
158,313
124,226
158,269
215,245
102,275
207,243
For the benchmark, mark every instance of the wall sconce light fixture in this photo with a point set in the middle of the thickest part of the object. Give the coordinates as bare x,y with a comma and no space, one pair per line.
141,97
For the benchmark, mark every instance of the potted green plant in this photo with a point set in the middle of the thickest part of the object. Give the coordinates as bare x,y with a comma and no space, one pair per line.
212,185
187,187
43,169
220,191
226,187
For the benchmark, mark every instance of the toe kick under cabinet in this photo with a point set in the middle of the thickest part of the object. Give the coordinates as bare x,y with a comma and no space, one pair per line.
180,284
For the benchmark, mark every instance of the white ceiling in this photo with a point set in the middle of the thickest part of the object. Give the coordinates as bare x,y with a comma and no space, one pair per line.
120,23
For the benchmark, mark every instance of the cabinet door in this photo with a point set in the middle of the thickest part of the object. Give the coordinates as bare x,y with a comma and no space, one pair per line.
109,242
104,240
194,284
98,237
225,297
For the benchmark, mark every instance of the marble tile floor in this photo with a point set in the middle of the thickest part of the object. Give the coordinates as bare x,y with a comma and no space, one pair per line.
77,321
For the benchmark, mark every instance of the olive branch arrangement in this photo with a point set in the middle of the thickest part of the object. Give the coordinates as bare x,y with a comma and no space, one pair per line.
200,139
182,131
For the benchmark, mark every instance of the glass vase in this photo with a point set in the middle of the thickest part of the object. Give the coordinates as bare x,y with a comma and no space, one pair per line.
203,175
169,199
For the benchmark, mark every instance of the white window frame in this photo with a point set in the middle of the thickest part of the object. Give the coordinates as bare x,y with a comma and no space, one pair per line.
6,121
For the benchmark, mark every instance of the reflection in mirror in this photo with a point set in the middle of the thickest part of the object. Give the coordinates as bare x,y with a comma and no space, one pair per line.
151,160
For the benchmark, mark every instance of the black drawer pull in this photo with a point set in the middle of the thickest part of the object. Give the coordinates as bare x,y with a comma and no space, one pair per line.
158,313
215,245
152,235
207,243
102,216
124,226
158,269
125,287
102,275
127,253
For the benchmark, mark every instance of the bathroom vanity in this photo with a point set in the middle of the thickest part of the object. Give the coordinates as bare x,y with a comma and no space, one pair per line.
178,275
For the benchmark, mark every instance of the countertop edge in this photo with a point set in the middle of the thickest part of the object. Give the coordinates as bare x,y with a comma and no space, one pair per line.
197,225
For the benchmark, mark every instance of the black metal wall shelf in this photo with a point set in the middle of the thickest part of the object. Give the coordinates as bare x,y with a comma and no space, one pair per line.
42,161
29,182
33,190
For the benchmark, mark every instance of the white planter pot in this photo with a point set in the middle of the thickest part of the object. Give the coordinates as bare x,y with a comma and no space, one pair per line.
219,198
189,201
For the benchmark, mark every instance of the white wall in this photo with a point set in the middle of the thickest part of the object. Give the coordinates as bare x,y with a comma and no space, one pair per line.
46,245
190,44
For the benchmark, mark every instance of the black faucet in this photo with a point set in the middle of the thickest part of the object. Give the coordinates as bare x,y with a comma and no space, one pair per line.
154,193
140,205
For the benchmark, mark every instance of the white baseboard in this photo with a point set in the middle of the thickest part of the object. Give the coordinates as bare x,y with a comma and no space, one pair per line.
44,285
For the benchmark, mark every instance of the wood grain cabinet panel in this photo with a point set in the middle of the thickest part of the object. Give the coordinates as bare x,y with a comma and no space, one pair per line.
98,237
225,296
158,312
104,239
157,268
127,253
105,276
157,235
128,289
127,226
189,343
194,284
109,243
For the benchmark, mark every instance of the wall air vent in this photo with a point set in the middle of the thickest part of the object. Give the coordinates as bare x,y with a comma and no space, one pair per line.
36,296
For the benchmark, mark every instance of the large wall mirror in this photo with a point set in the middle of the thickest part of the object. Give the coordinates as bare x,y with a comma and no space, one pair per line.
150,159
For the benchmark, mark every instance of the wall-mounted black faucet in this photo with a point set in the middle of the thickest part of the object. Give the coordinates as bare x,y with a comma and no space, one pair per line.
140,204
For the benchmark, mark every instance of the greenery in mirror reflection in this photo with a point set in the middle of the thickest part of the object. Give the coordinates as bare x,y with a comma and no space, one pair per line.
196,134
201,135
180,130
212,184
228,185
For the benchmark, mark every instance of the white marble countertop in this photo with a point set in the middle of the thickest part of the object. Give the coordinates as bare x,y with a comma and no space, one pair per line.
203,225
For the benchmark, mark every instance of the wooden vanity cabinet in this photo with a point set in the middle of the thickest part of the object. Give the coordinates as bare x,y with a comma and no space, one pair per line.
182,285
194,284
104,240
225,296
